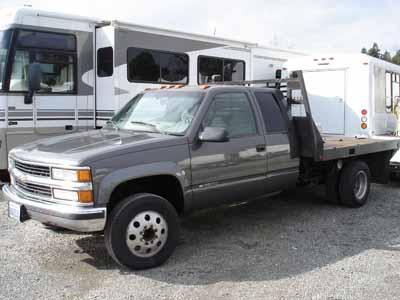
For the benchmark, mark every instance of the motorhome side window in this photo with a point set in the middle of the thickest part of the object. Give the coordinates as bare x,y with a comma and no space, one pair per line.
105,62
212,69
56,54
153,66
272,114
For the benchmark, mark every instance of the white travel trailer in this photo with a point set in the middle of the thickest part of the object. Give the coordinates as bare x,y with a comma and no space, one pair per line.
352,94
90,68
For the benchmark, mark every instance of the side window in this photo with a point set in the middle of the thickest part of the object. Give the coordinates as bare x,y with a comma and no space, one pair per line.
233,112
105,62
143,65
233,70
272,114
174,68
19,75
56,54
212,69
152,66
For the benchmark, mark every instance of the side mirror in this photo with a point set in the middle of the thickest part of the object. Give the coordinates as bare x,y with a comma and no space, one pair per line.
214,134
34,80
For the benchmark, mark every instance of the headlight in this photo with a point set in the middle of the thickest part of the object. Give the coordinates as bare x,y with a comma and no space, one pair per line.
71,175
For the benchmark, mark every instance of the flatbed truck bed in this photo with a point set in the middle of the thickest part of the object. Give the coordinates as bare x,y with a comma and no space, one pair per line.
340,147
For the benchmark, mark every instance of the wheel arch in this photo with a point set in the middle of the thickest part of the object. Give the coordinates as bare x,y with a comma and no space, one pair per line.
163,179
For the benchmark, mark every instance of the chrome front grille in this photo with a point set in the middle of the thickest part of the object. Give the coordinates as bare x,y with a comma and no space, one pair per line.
33,189
31,169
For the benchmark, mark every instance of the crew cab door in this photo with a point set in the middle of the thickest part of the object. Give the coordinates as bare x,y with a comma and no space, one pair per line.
282,169
233,170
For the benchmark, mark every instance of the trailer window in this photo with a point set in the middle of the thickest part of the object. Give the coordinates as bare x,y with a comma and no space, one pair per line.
233,112
174,68
105,62
212,69
153,66
272,114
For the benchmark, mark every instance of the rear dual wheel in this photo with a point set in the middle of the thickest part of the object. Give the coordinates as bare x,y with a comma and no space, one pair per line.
351,186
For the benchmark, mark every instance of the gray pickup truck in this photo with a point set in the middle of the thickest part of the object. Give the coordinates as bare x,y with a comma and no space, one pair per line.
172,151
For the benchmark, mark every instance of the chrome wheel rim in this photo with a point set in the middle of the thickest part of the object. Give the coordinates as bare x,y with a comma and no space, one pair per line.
147,234
360,184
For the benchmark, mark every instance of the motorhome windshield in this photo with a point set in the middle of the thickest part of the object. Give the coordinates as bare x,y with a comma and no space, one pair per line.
160,112
4,46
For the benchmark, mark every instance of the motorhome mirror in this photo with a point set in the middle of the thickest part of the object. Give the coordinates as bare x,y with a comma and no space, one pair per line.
34,79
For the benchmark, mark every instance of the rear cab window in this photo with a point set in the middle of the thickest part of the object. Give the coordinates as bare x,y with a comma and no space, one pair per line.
273,116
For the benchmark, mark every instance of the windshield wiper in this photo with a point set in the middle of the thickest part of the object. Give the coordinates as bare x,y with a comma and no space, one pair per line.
146,124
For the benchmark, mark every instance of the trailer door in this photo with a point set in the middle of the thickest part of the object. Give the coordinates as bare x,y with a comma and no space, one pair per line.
326,92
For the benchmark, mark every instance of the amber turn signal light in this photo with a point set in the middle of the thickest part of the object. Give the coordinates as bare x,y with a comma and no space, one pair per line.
84,176
85,196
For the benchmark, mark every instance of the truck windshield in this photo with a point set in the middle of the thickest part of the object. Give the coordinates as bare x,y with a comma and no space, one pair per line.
161,112
4,46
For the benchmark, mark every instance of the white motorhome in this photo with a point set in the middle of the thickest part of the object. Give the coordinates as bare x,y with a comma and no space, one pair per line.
90,68
352,94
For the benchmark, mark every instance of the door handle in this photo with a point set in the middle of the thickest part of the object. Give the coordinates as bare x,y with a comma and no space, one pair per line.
12,123
261,148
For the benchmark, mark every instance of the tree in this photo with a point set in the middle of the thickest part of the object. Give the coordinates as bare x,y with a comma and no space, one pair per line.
396,58
387,56
375,51
364,51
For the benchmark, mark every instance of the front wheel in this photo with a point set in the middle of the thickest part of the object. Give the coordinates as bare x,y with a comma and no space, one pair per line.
142,231
354,184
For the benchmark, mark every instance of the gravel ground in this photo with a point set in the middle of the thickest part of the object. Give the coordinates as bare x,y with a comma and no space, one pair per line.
286,247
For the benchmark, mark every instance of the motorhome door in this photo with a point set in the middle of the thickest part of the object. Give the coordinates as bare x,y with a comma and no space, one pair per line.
105,102
326,92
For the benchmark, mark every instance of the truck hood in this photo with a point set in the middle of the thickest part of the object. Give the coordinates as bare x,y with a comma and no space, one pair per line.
84,147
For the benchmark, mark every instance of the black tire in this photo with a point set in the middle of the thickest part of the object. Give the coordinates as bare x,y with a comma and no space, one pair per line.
349,193
121,217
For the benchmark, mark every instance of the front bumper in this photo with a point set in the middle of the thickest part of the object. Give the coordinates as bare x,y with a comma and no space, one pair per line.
82,219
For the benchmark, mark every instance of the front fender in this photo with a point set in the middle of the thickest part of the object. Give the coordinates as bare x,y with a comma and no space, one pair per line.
115,178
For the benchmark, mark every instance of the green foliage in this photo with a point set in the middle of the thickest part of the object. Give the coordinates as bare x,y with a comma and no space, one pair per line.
387,56
376,52
396,58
